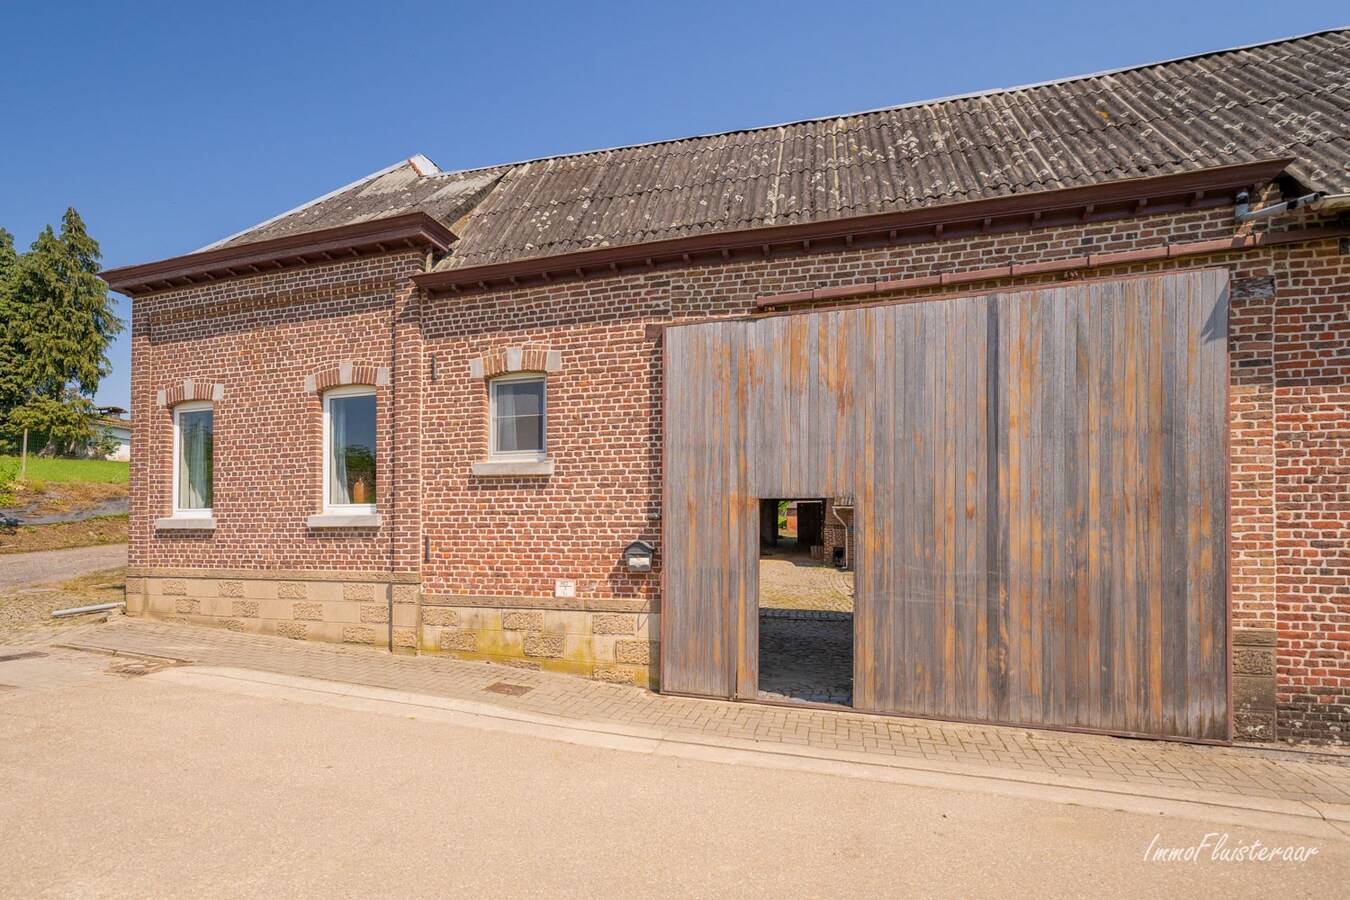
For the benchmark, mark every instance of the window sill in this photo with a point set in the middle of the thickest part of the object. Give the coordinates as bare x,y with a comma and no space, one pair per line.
495,468
186,523
346,520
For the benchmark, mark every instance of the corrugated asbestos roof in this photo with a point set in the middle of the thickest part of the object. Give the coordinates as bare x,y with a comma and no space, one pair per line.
1287,98
394,191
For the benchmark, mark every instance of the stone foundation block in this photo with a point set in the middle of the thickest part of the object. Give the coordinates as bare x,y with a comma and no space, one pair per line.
405,637
1253,637
292,590
358,634
522,620
293,630
633,653
1253,726
613,623
233,625
480,619
1254,679
464,641
611,675
307,612
231,589
1253,661
375,613
188,607
358,591
405,593
439,615
548,646
246,609
173,587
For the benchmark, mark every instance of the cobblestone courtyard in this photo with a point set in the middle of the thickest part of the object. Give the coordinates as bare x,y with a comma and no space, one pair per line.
805,628
790,579
806,658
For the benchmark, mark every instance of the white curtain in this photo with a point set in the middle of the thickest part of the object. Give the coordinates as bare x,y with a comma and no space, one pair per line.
196,460
339,489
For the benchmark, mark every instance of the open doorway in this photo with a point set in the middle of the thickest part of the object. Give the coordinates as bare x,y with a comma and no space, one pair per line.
806,600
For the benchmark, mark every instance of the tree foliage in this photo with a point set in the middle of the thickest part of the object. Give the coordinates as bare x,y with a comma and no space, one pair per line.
56,322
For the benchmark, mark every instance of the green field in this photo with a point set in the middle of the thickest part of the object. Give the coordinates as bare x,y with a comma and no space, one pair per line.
96,470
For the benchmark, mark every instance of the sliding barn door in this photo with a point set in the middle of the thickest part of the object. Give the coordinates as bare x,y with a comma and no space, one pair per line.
1041,480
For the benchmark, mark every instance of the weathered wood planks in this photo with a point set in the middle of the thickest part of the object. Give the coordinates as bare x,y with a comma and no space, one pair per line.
1041,487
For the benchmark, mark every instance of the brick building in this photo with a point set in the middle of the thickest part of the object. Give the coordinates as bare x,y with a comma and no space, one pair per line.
427,412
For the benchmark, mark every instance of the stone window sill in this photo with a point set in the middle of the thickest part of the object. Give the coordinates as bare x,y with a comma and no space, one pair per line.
186,523
504,468
346,520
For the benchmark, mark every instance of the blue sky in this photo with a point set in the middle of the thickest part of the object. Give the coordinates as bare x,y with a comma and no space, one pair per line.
169,126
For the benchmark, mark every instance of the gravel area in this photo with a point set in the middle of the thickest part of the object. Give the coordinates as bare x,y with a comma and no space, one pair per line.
32,585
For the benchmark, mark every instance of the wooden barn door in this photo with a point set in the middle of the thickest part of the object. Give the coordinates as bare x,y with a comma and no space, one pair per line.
1041,480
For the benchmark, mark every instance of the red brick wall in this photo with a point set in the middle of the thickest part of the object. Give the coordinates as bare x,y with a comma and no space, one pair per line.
259,337
1312,491
512,537
494,536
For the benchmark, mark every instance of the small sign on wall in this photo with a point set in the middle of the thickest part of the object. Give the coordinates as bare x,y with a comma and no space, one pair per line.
564,587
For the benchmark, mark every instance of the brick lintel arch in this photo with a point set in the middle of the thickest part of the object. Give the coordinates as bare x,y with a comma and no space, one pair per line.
189,390
515,359
345,373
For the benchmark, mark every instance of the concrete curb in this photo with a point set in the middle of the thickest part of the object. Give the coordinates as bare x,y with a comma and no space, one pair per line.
1314,819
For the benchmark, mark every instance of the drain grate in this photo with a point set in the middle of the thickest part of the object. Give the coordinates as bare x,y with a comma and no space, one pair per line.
131,669
27,654
511,690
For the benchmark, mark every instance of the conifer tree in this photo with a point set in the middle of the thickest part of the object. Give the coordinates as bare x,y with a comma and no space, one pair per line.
58,321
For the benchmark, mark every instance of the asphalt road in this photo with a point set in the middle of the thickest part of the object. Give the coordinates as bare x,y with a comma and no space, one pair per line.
148,786
19,569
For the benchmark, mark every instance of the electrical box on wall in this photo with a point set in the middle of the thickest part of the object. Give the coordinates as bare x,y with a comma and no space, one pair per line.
638,556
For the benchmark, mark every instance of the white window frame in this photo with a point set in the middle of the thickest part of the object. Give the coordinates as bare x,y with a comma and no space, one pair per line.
328,397
517,455
194,406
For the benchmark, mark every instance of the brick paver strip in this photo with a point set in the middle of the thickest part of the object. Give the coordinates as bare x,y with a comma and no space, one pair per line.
1153,763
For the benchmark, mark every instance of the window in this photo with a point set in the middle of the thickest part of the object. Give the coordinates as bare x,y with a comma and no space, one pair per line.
349,484
518,421
194,460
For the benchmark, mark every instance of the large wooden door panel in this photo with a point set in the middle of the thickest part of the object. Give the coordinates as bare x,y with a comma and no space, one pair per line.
1041,479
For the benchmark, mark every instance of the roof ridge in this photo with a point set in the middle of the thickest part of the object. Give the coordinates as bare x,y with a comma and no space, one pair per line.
935,101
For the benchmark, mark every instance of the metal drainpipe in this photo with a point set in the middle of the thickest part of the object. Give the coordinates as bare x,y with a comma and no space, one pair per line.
834,510
1243,212
393,473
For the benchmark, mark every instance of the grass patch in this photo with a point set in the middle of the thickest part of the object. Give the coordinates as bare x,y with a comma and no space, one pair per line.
104,471
89,533
38,498
98,587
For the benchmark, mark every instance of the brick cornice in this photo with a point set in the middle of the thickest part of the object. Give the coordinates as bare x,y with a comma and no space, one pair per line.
1054,266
